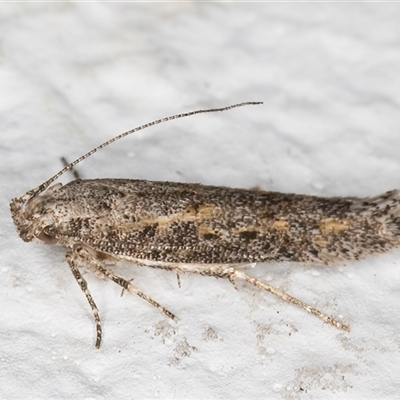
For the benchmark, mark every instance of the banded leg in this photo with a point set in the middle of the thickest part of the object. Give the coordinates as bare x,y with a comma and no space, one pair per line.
286,297
132,289
82,257
83,285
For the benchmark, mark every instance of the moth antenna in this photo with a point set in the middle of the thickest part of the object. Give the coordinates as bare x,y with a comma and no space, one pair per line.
33,192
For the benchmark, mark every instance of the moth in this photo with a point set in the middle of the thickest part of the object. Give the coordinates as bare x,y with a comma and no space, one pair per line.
193,228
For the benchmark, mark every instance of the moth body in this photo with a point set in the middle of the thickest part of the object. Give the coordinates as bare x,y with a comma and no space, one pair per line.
192,223
194,228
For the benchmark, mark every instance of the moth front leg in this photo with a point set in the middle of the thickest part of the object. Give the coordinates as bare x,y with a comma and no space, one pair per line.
74,259
84,257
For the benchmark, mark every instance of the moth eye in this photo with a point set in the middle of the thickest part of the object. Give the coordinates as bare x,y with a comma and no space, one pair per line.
46,237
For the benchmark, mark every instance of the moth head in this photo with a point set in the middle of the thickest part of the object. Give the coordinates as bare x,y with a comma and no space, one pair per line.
33,217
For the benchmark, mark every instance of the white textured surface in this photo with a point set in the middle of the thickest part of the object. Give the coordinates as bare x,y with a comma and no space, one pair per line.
74,74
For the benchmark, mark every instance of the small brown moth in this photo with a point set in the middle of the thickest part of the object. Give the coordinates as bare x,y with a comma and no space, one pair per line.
208,230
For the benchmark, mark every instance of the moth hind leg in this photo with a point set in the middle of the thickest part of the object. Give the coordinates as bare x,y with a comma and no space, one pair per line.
236,274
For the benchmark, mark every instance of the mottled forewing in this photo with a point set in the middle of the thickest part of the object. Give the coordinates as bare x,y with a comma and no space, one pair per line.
176,222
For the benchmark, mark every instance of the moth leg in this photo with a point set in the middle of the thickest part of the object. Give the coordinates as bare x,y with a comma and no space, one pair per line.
89,260
231,278
178,279
123,289
83,285
126,285
286,297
